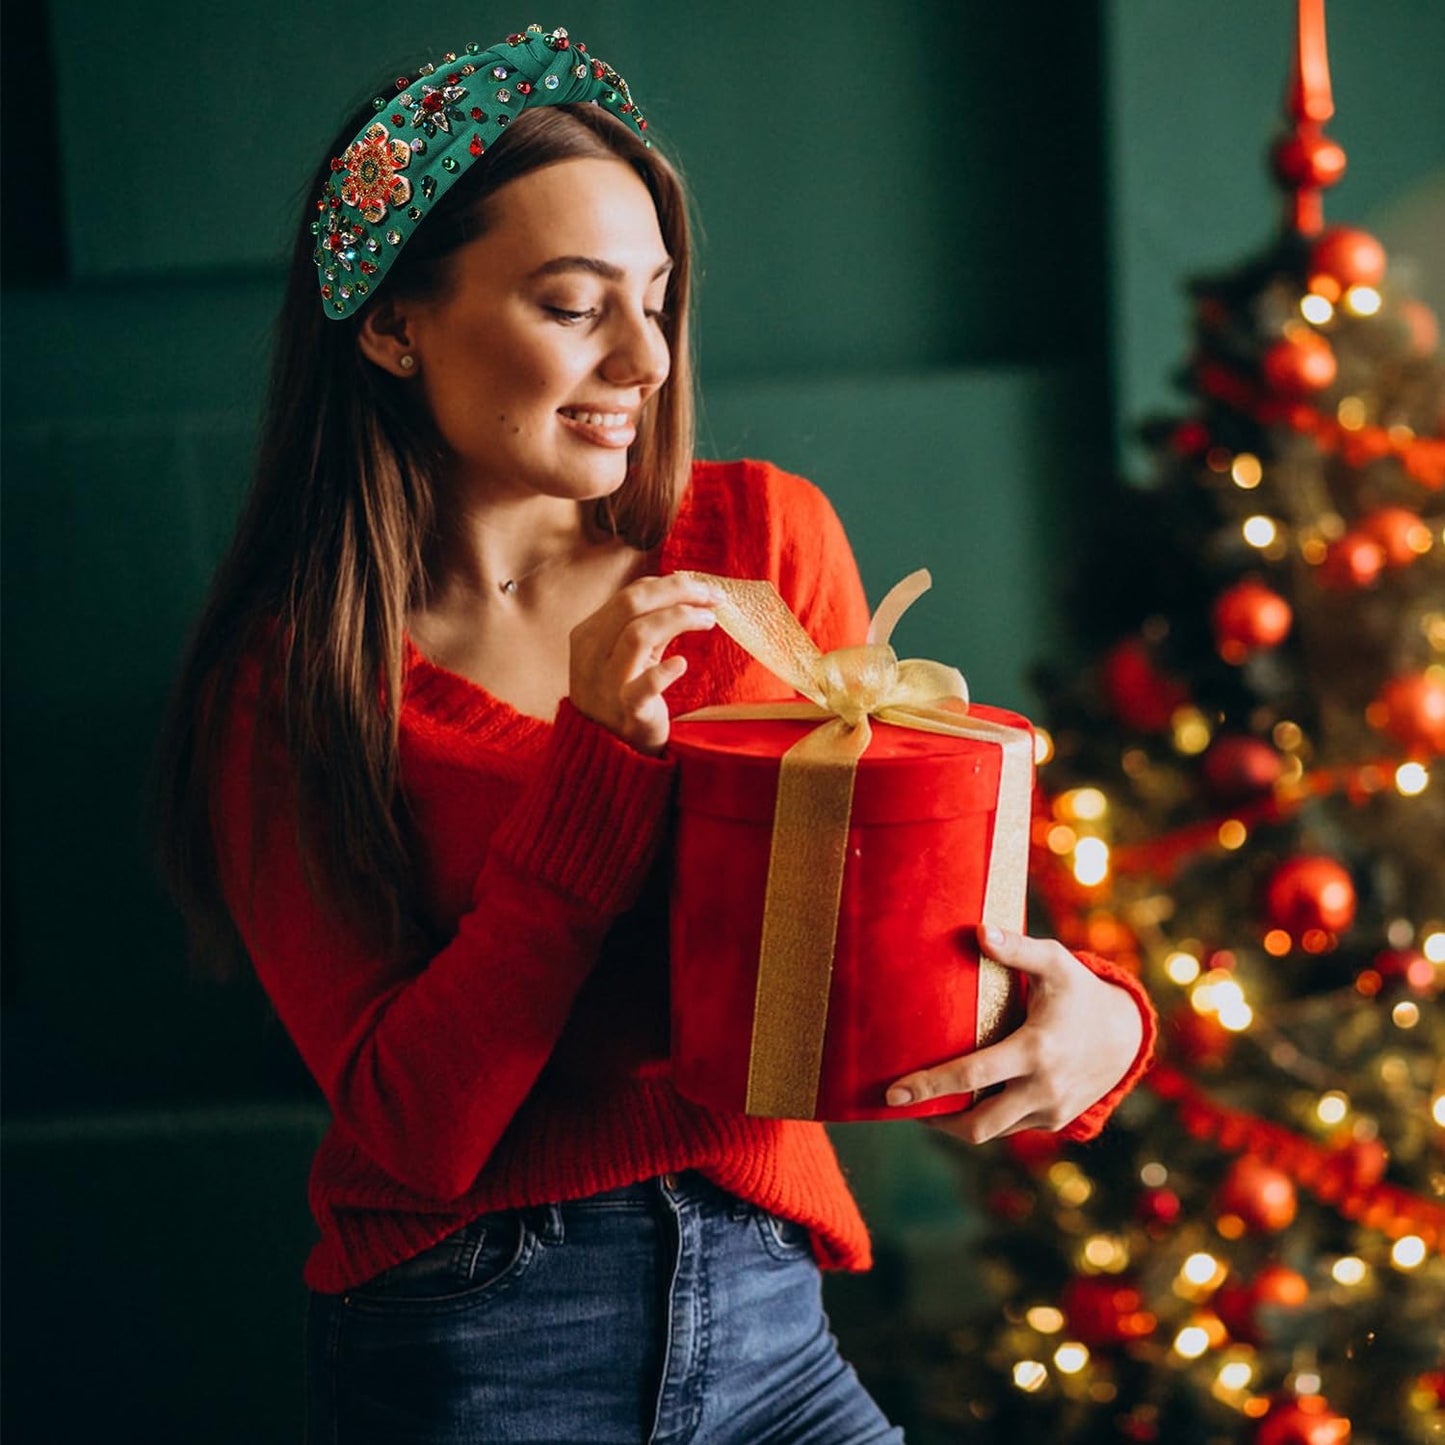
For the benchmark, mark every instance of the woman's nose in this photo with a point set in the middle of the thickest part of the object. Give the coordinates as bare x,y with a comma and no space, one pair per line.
639,355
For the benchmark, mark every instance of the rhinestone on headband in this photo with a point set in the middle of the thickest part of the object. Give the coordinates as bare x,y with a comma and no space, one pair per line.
422,140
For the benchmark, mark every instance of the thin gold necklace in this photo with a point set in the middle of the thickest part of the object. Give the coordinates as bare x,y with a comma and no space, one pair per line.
508,587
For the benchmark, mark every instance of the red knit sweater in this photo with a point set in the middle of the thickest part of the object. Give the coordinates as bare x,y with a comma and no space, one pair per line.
526,1061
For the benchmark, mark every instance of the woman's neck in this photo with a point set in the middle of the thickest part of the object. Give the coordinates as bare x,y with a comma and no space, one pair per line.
492,550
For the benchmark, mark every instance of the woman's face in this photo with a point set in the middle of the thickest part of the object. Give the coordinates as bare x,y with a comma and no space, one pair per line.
539,358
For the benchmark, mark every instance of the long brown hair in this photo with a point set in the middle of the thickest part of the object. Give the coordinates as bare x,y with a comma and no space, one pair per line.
328,555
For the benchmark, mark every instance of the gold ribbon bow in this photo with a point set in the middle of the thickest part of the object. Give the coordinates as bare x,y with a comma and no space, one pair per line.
845,689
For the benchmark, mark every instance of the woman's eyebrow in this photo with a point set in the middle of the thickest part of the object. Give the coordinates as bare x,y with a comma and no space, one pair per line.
593,264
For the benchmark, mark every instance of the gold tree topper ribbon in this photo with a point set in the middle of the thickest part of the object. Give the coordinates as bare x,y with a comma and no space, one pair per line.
845,689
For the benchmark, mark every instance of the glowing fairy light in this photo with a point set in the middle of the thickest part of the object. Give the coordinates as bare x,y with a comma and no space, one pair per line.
1362,300
1088,805
1316,309
1045,1319
1433,946
1411,779
1437,1109
1259,531
1091,861
1246,472
1043,747
1202,1270
1182,967
1235,1374
1349,1270
1071,1357
1405,1014
1191,730
1287,735
1070,1183
1235,1015
1351,413
1030,1375
1062,839
1232,834
1191,1342
1408,1252
1332,1108
1218,993
1154,1174
1105,1254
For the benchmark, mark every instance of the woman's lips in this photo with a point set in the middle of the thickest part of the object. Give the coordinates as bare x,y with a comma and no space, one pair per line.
600,428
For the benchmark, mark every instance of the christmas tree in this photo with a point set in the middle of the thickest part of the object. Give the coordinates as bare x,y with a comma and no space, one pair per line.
1243,797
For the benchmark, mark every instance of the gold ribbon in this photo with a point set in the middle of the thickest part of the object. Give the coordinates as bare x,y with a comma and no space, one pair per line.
810,819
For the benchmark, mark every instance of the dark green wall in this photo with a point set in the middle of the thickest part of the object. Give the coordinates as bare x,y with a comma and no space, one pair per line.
922,225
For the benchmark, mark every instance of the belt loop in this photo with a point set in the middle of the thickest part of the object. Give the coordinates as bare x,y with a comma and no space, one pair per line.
546,1221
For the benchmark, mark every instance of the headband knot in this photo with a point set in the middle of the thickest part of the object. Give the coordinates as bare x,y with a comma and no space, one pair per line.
426,135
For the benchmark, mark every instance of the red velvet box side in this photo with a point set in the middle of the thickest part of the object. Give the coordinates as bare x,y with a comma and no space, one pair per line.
904,983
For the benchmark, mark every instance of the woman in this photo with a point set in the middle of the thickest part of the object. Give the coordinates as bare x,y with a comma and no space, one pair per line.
420,779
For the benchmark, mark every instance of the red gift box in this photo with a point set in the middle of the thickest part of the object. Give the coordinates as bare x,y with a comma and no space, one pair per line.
898,983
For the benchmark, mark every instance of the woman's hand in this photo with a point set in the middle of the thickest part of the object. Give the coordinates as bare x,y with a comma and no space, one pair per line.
1080,1037
618,672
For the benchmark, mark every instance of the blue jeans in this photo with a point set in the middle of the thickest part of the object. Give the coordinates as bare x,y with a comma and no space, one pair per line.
666,1311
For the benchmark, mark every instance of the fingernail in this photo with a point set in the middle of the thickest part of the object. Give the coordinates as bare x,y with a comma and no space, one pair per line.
899,1095
993,936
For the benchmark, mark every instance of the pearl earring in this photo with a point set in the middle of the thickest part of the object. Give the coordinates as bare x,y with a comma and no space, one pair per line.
406,362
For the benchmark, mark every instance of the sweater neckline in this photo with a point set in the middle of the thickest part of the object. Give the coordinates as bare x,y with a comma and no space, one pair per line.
460,704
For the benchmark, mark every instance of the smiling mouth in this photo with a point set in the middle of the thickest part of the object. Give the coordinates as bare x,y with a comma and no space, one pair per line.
613,429
610,420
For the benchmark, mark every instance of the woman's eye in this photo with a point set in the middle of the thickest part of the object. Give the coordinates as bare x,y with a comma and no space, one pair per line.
569,318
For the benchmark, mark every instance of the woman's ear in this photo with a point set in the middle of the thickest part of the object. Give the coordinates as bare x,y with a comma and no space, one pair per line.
385,338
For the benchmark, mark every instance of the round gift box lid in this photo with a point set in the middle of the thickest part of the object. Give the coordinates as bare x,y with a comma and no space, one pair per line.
730,769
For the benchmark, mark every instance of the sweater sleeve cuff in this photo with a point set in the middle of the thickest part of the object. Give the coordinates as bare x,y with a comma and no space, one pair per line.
1093,1119
590,823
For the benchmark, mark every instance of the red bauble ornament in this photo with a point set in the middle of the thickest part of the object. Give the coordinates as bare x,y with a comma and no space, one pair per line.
1310,892
1408,964
1034,1149
1422,326
1396,531
1411,709
1197,1039
1349,256
1307,1420
1357,1164
1299,365
1308,160
1140,694
1238,768
1262,1196
1105,1310
1249,617
1159,1207
1275,1287
1352,562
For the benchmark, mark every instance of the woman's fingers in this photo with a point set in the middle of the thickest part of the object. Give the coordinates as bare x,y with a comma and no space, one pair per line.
642,641
996,1064
1042,957
618,673
1004,1113
1080,1037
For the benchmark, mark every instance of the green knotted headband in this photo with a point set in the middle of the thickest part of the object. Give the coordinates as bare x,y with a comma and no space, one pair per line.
423,140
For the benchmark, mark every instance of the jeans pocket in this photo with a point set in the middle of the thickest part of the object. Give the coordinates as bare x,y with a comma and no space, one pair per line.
784,1239
476,1263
